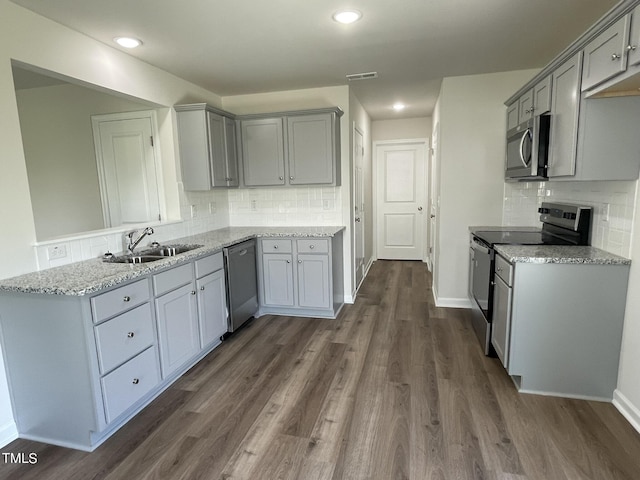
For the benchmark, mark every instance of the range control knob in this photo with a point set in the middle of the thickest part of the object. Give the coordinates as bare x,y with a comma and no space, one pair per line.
569,215
543,210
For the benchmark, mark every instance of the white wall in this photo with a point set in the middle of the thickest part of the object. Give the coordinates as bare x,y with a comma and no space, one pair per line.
302,205
471,113
401,129
33,40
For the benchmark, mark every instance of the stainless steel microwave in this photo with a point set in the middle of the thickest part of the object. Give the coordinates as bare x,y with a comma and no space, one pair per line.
528,149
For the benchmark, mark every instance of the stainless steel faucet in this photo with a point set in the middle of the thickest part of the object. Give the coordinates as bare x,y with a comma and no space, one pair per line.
129,237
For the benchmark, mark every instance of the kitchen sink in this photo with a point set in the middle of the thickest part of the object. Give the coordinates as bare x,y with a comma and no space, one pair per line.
151,254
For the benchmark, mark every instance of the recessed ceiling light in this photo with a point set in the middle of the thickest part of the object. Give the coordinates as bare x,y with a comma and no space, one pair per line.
347,16
128,42
399,106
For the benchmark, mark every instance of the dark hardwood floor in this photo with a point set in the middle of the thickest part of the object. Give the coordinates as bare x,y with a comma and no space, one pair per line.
394,389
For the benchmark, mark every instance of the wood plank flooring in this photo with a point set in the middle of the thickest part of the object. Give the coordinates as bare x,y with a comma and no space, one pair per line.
396,388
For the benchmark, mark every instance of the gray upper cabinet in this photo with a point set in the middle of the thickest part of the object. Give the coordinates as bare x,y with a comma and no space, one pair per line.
263,151
525,107
512,116
207,142
633,49
311,149
291,148
606,55
565,104
542,96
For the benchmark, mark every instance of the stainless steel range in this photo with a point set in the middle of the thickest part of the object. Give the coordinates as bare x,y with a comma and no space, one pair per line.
562,224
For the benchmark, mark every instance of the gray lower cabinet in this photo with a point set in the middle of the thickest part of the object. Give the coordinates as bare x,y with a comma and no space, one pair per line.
301,276
208,150
557,332
501,318
79,367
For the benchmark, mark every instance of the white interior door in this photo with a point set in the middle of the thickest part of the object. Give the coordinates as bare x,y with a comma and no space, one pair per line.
359,207
400,200
127,168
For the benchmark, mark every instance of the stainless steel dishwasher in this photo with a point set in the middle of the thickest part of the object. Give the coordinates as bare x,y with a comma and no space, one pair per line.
242,282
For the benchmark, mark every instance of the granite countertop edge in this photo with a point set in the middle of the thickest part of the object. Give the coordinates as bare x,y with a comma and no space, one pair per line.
559,254
91,276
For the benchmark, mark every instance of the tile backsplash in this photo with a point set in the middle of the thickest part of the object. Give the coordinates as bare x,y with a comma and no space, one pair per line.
286,206
613,208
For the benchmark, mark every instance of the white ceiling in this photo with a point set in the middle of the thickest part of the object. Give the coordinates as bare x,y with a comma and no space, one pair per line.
237,47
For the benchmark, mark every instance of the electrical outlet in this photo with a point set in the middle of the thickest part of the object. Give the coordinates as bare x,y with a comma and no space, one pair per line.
57,252
254,206
327,204
212,207
194,211
605,212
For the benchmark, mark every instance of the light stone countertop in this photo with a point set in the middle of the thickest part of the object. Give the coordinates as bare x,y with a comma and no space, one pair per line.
474,229
91,276
559,254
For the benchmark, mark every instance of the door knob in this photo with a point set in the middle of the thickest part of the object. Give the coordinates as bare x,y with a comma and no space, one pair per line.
357,219
432,216
419,209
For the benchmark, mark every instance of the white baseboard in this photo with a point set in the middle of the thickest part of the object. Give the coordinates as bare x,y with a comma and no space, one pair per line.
8,433
451,302
350,298
627,409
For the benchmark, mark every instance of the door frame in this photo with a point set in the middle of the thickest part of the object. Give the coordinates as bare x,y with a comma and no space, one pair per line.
374,180
357,284
110,117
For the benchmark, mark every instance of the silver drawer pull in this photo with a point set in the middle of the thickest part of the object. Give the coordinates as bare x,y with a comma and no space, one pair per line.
136,381
299,261
291,177
615,57
131,335
127,298
281,177
193,292
499,269
288,261
312,247
201,288
275,247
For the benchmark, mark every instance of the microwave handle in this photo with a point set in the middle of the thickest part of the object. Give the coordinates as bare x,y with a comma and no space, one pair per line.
526,134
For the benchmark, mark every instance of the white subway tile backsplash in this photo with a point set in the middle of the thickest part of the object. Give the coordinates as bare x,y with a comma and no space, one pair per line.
612,234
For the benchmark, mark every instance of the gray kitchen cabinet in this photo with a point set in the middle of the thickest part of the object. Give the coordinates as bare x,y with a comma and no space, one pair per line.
313,288
565,105
562,335
278,287
542,96
525,107
512,115
212,308
208,150
606,55
501,319
291,148
633,48
263,151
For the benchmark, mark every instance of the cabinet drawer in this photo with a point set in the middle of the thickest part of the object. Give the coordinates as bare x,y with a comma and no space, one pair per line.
316,245
118,300
209,264
278,246
129,383
504,270
171,279
123,337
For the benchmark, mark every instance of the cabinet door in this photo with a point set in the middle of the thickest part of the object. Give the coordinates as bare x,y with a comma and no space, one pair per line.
263,152
314,288
565,104
501,322
605,56
542,97
193,141
277,281
512,115
212,307
526,107
217,158
311,149
231,153
633,49
177,328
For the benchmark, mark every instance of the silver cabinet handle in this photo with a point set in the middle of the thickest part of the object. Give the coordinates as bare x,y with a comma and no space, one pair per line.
499,269
281,177
193,292
288,261
130,335
615,57
631,48
299,261
127,298
275,247
312,247
136,381
201,288
291,177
